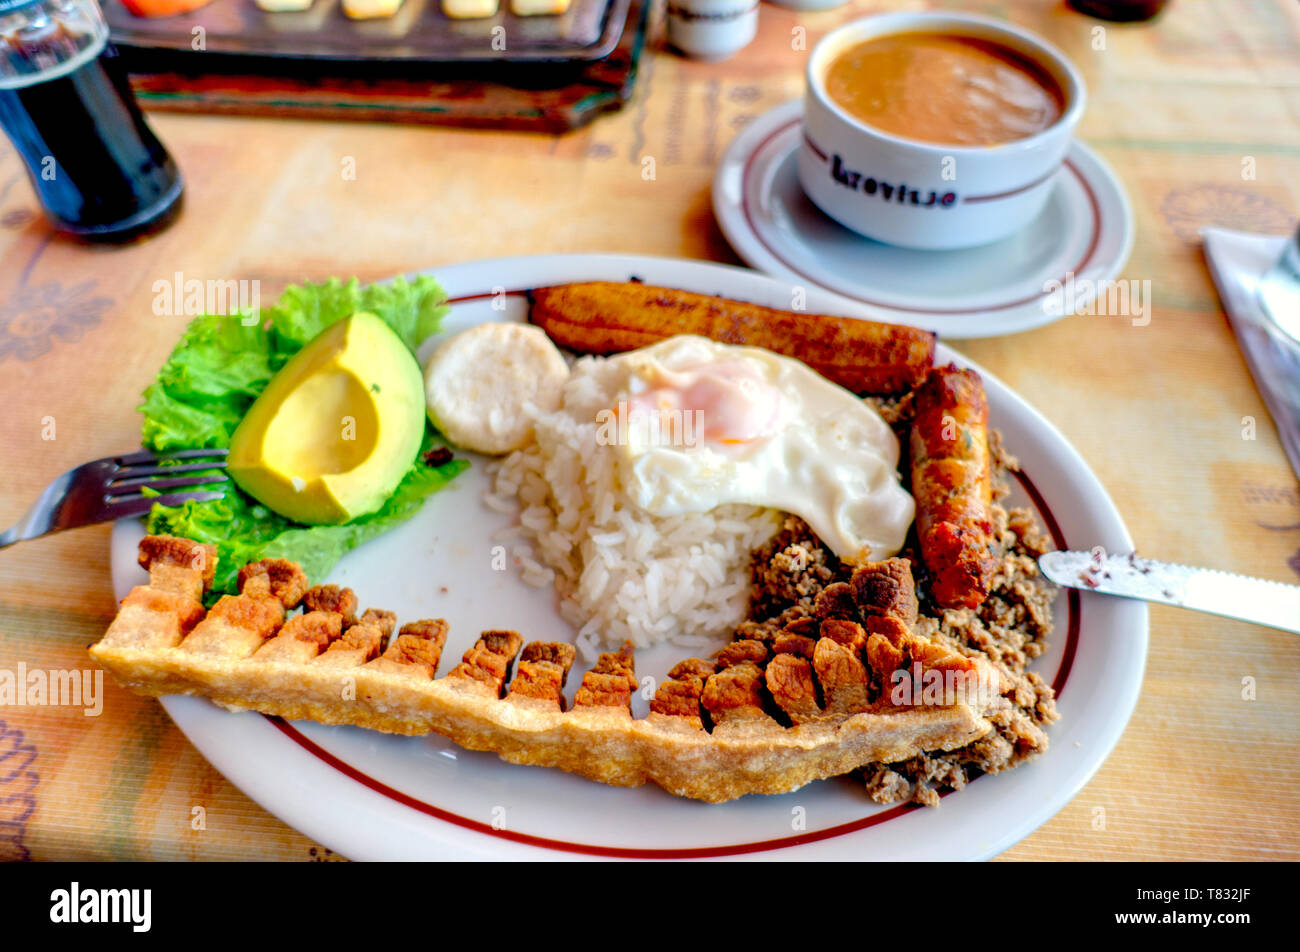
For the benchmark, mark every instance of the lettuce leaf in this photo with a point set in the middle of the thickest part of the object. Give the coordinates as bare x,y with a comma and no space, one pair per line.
204,389
412,310
217,370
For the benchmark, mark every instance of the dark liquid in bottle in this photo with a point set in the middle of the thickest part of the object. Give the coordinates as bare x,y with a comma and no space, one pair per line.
1120,10
96,166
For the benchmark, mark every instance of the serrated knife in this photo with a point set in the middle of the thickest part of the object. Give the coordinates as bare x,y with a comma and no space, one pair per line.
1273,604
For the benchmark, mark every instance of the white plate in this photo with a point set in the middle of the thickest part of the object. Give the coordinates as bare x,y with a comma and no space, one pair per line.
1086,229
369,795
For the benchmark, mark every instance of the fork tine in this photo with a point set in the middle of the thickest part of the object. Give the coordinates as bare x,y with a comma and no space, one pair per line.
137,472
147,456
140,505
97,492
122,490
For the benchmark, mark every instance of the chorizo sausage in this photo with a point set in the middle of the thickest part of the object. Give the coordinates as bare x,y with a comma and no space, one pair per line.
953,484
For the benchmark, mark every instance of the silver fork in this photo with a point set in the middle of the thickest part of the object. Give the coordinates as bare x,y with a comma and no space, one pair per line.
113,488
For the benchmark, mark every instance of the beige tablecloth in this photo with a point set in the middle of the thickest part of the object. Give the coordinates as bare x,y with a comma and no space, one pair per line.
1199,113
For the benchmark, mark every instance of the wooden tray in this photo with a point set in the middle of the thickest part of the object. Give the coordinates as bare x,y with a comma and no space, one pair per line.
419,31
537,97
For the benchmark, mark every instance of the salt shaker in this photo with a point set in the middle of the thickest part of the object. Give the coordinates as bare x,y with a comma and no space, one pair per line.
712,29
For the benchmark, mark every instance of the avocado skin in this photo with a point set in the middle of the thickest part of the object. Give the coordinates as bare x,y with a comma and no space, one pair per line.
336,429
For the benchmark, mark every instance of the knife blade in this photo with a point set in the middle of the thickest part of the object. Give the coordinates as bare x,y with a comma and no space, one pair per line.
1273,604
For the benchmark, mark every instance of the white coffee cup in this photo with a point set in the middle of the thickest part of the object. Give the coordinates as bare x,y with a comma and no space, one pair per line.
920,194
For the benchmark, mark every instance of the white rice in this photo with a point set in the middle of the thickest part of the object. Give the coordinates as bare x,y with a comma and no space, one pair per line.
621,573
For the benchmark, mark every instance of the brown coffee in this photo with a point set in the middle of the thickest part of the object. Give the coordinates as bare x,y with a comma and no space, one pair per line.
944,88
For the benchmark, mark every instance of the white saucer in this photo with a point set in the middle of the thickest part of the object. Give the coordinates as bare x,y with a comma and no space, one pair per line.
1086,230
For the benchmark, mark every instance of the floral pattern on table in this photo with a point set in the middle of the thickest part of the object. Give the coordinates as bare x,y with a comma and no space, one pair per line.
18,782
1188,210
35,317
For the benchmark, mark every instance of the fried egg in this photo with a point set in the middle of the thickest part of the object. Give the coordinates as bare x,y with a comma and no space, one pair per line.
700,424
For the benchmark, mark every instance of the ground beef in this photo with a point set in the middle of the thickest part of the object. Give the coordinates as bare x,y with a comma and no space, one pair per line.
789,572
1010,630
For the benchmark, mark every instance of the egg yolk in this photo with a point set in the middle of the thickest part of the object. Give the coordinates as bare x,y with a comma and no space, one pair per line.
729,401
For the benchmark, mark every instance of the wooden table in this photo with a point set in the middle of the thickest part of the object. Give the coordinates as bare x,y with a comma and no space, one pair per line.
1199,114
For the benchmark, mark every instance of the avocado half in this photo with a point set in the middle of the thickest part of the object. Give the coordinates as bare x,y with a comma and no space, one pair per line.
337,427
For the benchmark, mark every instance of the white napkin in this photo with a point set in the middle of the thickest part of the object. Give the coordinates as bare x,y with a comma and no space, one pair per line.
1237,262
